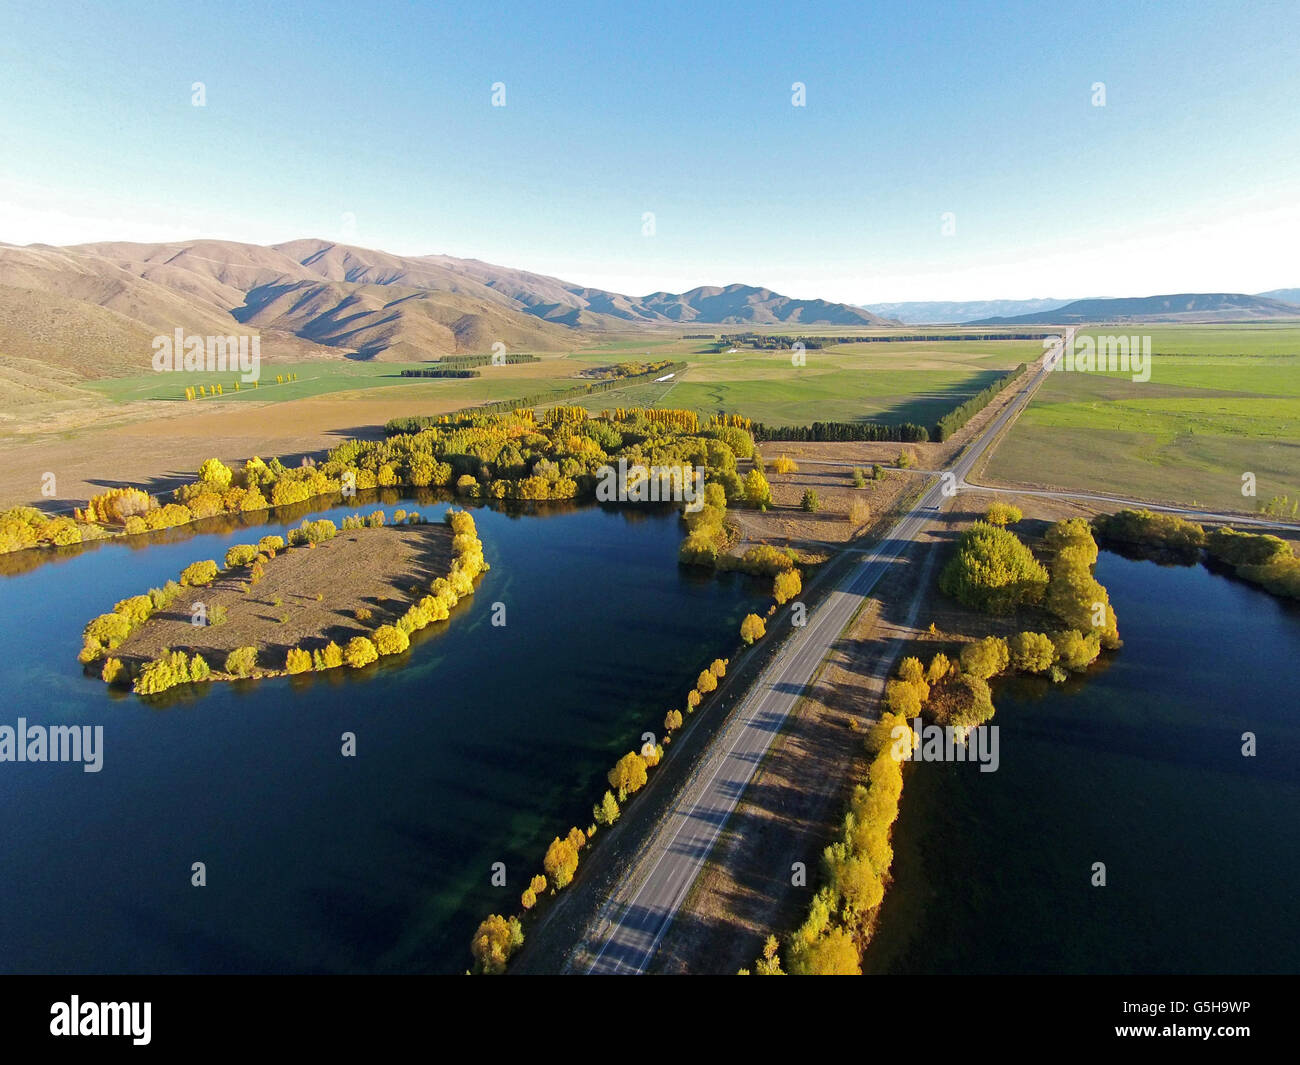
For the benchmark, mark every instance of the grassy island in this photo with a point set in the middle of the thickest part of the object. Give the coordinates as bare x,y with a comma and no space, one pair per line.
327,598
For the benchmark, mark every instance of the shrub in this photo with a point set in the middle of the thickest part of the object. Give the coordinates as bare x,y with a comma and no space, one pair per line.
117,505
240,555
1074,650
985,658
328,657
1031,652
297,661
940,666
993,571
786,585
810,504
1246,549
906,458
758,493
166,671
672,720
752,628
496,939
628,775
560,862
241,661
859,479
270,544
163,597
960,700
606,811
1150,529
113,672
362,613
390,640
215,473
1003,514
135,609
198,574
360,652
784,465
103,633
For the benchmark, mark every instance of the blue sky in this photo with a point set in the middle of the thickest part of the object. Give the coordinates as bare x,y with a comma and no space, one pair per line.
374,124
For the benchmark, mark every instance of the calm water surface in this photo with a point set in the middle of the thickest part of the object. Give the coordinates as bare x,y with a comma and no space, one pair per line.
1137,765
476,747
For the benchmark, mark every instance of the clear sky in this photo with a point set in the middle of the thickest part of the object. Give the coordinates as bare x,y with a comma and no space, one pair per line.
373,124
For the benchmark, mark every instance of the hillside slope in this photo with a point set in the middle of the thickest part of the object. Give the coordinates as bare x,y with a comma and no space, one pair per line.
94,309
1179,307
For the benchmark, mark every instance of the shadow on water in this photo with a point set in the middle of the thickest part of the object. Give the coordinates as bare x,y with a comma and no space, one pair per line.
1139,766
477,747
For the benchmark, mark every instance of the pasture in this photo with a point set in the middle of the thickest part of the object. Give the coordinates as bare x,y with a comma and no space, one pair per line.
1222,401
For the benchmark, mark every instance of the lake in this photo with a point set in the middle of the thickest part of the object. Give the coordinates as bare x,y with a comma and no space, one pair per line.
478,746
1137,765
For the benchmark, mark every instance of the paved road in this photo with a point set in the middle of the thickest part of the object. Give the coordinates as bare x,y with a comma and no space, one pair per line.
634,920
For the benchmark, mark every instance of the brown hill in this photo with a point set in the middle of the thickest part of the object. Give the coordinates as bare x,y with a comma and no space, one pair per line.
95,308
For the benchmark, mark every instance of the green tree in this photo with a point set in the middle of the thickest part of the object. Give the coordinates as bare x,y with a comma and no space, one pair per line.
985,658
1031,652
606,811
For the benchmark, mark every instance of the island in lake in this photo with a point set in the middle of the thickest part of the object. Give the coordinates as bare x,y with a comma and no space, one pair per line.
326,599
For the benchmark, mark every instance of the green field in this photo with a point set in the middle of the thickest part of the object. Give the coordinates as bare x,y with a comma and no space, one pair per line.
897,382
909,382
1221,401
322,378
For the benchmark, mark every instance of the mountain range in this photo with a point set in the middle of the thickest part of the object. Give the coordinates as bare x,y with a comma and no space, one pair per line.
94,308
1178,307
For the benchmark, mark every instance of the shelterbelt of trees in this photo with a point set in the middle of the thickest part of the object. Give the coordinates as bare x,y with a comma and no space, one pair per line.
105,634
520,456
904,432
992,570
499,936
1263,559
618,379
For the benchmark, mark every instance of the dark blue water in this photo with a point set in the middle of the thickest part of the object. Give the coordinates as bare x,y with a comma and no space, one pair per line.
1138,765
476,747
